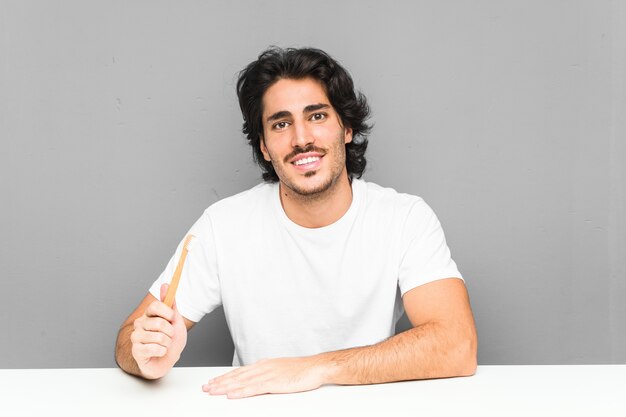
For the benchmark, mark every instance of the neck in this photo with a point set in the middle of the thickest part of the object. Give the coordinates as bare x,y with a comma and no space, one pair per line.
321,209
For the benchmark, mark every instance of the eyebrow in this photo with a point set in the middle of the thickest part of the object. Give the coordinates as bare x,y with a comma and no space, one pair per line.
278,115
314,107
308,109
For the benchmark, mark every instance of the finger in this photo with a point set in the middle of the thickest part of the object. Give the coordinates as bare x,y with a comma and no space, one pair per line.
155,324
147,337
245,375
147,351
245,392
163,294
158,309
252,377
231,374
164,288
234,375
231,380
252,374
224,387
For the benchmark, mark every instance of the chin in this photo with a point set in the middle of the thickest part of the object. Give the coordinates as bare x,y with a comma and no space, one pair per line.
312,185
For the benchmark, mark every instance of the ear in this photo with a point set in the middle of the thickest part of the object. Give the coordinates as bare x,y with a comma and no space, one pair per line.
266,154
347,135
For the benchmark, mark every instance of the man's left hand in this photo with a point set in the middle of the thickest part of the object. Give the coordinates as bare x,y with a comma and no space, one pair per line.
270,376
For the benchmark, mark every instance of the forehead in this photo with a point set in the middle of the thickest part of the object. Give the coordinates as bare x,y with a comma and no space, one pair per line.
293,95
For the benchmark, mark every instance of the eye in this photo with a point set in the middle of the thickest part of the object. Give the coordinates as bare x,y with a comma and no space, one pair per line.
318,116
280,125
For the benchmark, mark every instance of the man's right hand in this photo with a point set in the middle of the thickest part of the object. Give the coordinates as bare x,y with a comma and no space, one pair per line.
158,338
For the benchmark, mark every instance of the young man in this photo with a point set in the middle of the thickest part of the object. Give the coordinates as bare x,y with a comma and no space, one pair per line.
313,267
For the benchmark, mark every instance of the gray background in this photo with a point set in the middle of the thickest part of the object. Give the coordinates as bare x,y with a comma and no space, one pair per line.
119,125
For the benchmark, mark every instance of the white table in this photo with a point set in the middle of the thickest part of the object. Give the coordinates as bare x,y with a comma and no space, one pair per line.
579,390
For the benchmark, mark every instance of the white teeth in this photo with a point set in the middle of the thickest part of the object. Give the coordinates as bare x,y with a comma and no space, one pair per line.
306,160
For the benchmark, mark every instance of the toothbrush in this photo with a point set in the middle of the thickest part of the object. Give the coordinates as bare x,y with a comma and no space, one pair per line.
171,291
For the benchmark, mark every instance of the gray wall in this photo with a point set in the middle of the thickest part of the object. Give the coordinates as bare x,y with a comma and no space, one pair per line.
119,125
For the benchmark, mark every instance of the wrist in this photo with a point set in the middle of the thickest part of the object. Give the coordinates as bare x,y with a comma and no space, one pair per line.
329,368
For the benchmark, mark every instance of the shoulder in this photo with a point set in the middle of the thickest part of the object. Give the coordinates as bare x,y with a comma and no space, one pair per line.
241,203
387,198
235,213
391,210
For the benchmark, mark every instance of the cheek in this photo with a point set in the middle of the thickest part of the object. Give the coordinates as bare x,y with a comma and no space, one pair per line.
321,136
273,151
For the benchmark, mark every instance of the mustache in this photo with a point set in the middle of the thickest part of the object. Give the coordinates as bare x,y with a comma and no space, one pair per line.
306,149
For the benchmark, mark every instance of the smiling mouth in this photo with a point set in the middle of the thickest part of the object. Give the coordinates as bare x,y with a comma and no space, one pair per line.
308,160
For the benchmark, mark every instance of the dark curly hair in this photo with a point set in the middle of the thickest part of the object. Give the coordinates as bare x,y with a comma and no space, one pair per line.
277,63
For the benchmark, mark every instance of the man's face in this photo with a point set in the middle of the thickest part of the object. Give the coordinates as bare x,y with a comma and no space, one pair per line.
303,136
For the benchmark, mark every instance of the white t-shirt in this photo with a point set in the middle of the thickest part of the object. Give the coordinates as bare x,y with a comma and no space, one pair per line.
292,291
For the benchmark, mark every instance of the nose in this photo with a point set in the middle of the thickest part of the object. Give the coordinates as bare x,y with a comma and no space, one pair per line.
302,135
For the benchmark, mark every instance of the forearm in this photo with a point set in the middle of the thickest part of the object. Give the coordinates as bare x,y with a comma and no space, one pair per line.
427,351
123,351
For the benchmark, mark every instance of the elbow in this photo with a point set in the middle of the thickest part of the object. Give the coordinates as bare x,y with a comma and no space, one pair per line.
468,368
468,354
460,358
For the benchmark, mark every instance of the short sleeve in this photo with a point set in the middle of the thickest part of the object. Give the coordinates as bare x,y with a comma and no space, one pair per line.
426,256
199,288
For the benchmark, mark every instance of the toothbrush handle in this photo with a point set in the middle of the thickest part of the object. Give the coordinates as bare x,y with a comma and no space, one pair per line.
171,291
